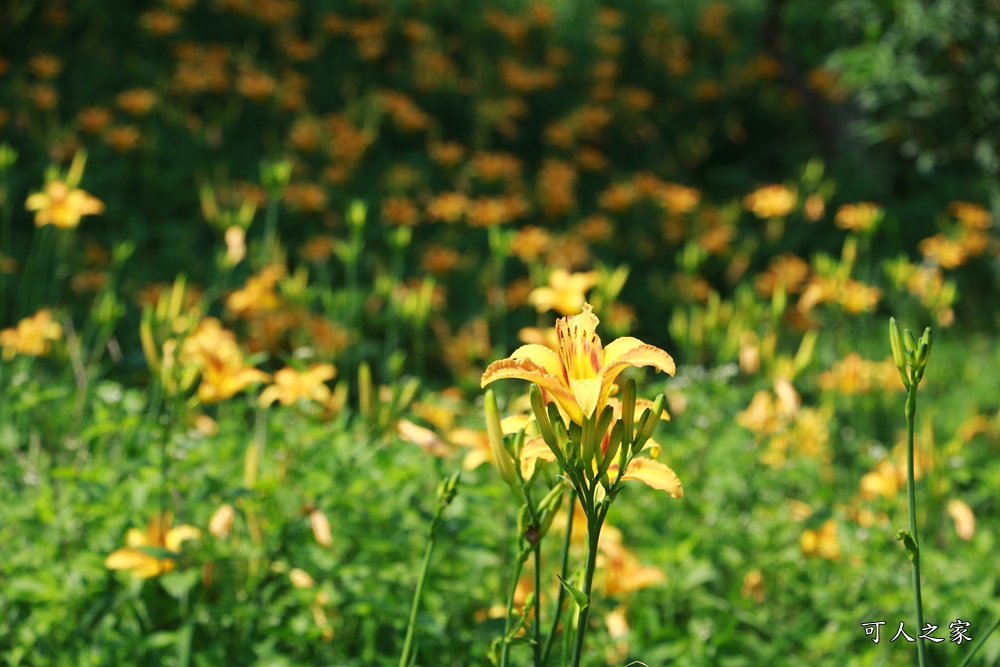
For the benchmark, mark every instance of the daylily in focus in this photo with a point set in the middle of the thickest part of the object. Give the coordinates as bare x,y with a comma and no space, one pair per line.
158,535
62,206
580,373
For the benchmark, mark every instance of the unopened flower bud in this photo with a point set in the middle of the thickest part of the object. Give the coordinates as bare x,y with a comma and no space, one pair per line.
501,457
300,578
221,523
320,528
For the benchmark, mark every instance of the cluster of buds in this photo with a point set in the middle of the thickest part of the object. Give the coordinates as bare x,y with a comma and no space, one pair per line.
587,451
909,353
161,332
595,454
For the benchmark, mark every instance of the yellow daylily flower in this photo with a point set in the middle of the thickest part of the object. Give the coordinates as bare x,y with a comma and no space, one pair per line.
62,206
290,385
565,293
580,373
158,534
33,335
214,352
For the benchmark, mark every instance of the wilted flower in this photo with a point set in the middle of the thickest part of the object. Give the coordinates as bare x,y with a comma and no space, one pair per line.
426,439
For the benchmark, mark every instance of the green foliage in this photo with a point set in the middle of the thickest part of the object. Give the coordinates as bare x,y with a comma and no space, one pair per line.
265,206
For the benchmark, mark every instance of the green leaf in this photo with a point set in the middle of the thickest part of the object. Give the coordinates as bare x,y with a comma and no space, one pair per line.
184,645
582,599
179,582
912,551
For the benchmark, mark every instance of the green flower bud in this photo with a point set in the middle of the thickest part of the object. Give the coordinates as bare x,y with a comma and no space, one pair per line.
650,427
924,347
898,354
549,507
365,390
628,408
524,523
911,345
501,457
356,213
542,417
614,443
644,420
447,489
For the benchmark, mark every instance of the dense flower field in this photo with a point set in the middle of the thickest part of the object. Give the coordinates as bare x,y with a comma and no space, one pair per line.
269,270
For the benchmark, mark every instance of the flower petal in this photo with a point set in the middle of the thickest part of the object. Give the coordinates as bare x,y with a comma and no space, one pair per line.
175,536
541,356
655,474
533,450
526,369
633,352
37,202
141,564
587,393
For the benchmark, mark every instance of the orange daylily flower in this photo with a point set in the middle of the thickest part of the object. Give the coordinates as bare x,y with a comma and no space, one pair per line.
158,535
580,373
62,206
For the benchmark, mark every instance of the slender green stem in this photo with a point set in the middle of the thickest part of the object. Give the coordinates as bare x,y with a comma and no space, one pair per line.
911,409
404,658
500,304
6,244
505,650
595,519
536,551
270,232
564,573
979,645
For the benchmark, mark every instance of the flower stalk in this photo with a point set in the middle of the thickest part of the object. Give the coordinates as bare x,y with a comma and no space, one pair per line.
445,493
910,357
592,436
